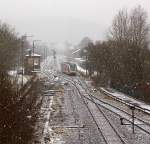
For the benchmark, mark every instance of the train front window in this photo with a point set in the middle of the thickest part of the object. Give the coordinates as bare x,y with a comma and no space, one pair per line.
73,67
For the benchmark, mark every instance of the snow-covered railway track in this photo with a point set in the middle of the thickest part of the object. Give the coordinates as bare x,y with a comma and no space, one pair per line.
74,113
126,101
105,127
140,123
119,111
109,132
45,112
92,100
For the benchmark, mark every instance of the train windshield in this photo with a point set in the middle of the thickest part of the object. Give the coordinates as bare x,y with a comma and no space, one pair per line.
73,67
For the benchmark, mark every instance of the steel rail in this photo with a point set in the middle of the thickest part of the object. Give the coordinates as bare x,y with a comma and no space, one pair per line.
80,83
117,113
113,105
100,130
126,103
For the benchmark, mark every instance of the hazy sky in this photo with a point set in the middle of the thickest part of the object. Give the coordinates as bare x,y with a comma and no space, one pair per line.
64,20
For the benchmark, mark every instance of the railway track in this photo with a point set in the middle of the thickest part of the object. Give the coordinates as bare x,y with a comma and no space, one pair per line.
139,123
77,122
109,132
126,102
104,125
120,100
95,105
74,113
45,112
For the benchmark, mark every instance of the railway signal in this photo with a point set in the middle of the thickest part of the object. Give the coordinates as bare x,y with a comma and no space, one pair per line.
132,107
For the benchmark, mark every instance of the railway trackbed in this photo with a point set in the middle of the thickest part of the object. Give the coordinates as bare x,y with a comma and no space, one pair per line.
104,126
139,122
107,130
97,107
118,110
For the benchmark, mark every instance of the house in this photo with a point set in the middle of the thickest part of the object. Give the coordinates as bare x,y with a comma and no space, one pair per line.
32,63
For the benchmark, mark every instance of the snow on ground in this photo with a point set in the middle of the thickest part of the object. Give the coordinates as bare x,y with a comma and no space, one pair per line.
80,59
127,98
116,94
25,79
12,73
69,111
18,78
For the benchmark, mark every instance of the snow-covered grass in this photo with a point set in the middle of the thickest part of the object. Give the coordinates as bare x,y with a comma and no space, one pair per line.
12,72
127,99
80,59
17,79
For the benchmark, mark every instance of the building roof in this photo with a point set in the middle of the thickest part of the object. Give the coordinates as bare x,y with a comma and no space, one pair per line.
33,55
80,59
76,51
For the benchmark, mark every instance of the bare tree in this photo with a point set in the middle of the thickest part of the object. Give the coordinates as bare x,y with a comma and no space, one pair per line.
138,28
120,27
15,126
9,46
124,58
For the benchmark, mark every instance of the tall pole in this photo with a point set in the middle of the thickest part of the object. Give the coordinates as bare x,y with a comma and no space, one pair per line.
22,71
33,55
44,52
86,64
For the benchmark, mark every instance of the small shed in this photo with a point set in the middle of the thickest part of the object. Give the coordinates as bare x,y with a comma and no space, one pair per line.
32,63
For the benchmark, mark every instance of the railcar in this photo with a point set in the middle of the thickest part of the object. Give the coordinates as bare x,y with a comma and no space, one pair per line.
69,68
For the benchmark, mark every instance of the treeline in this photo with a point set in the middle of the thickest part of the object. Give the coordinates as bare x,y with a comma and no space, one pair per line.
123,61
17,112
10,46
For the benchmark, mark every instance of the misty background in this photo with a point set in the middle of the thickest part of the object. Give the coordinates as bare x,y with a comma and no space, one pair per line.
64,20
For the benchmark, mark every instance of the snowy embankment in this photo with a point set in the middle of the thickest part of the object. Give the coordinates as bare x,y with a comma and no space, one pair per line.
121,96
126,99
17,79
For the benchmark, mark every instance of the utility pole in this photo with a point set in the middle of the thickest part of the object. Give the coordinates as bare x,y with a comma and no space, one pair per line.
22,52
54,57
